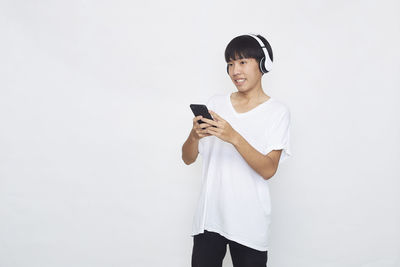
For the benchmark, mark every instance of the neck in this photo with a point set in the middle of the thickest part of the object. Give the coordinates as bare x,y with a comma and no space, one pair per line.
251,95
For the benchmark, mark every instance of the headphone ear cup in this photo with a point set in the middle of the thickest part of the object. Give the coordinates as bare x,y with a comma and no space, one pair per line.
262,65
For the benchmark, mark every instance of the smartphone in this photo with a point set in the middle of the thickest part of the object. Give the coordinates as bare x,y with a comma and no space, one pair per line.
200,109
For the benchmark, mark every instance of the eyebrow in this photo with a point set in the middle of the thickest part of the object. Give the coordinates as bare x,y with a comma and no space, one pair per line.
239,59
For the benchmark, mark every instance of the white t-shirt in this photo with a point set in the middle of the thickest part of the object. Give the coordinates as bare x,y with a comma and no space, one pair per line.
234,199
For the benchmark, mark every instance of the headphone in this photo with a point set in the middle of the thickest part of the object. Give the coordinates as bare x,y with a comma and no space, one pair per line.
265,62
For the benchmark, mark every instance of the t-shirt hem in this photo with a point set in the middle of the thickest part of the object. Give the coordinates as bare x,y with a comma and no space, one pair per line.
232,238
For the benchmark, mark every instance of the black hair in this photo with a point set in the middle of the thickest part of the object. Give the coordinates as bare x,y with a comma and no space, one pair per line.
245,46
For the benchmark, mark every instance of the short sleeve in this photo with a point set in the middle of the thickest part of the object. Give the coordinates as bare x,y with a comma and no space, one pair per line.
279,136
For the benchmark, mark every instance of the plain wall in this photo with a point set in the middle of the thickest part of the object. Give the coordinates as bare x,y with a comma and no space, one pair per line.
94,110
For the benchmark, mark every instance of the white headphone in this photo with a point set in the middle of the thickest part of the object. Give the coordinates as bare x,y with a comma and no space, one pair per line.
265,62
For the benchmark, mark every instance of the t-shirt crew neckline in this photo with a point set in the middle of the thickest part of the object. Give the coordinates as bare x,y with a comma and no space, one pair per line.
241,114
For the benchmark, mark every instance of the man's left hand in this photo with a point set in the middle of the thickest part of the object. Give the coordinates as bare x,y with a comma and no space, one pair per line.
223,130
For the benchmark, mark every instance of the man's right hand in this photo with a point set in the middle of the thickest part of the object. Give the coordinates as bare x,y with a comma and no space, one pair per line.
197,132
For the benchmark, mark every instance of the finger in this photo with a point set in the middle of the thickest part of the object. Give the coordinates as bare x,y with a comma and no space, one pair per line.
215,115
200,132
203,131
204,125
212,122
213,129
218,130
195,119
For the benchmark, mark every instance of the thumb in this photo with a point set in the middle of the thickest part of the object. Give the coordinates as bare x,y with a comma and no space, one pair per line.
215,115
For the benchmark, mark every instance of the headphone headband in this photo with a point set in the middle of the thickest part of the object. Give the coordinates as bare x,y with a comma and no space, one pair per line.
267,60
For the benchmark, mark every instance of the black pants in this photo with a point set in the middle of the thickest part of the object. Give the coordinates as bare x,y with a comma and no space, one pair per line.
209,250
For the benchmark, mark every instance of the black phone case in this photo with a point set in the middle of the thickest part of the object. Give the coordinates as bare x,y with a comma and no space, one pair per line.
200,109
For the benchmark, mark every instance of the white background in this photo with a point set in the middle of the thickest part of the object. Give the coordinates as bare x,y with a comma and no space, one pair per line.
94,109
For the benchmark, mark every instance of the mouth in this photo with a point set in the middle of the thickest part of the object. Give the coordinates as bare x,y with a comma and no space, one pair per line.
239,81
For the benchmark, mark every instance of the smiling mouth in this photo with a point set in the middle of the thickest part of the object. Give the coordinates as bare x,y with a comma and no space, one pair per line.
239,81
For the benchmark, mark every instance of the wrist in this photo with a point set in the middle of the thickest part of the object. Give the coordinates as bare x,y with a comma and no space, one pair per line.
192,136
236,139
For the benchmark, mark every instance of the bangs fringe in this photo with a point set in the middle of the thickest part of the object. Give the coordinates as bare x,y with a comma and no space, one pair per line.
245,46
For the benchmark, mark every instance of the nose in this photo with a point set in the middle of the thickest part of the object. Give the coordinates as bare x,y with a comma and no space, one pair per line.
235,69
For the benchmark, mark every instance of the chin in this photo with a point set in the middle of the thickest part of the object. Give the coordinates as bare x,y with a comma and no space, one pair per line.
241,89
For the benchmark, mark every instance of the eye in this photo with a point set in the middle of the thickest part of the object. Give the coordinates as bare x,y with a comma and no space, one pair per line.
242,62
230,64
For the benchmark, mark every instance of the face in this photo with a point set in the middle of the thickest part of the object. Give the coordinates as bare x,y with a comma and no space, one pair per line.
245,74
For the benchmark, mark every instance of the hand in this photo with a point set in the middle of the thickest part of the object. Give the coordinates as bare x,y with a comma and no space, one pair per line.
197,131
223,130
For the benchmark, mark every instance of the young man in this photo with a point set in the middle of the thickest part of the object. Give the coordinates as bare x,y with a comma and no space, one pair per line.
240,154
